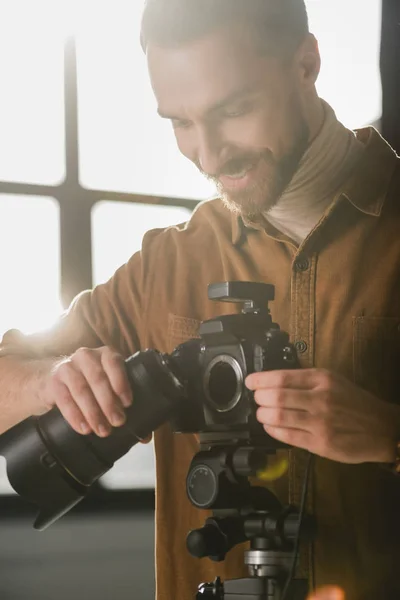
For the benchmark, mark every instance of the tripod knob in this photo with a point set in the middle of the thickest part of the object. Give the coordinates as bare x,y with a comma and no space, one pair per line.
216,538
206,541
202,485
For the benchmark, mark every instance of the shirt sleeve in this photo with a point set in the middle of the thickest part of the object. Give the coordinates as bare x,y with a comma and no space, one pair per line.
112,314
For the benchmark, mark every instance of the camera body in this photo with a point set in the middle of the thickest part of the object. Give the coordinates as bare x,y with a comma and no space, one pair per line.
216,365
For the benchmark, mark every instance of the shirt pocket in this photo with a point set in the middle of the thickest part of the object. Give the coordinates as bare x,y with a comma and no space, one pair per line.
180,330
376,356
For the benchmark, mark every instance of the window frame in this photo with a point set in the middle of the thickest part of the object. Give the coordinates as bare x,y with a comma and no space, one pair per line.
76,203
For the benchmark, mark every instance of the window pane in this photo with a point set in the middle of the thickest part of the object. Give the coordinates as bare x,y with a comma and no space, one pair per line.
30,269
350,76
123,226
126,146
30,263
31,100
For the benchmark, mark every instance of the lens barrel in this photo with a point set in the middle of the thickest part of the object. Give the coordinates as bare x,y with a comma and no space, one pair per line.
52,466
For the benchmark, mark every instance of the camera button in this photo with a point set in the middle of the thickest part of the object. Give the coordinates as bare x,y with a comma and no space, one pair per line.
302,264
301,346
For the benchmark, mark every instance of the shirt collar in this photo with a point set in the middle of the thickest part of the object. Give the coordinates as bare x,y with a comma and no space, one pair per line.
368,185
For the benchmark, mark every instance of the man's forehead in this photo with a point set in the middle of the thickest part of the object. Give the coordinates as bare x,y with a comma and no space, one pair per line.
207,71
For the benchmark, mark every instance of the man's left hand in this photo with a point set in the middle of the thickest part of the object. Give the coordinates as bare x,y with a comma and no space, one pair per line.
326,414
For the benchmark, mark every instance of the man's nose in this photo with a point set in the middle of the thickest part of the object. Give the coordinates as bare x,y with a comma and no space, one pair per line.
210,151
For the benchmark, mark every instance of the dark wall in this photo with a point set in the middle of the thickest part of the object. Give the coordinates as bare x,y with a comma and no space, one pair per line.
390,71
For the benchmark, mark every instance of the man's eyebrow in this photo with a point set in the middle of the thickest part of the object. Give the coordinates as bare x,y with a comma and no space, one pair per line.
234,96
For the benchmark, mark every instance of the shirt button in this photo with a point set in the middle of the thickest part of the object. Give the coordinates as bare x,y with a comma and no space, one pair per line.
301,347
302,264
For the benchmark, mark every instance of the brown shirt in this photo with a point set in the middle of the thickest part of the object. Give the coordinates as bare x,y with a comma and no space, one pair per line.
338,294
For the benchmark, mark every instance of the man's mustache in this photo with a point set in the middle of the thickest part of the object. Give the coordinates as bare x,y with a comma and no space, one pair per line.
237,165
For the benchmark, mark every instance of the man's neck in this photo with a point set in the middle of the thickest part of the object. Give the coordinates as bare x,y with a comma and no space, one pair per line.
323,169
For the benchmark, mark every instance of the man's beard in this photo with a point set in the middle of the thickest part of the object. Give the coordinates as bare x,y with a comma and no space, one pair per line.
266,191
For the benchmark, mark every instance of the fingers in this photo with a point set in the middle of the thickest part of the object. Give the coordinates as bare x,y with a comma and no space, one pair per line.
290,419
282,399
98,398
114,367
83,397
93,389
301,379
69,409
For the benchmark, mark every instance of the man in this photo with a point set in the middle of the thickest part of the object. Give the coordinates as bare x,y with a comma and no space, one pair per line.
305,205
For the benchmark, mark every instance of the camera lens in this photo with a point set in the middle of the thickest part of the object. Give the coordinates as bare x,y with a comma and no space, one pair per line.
223,383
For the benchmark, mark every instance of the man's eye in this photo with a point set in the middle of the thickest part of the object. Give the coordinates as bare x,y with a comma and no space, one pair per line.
237,111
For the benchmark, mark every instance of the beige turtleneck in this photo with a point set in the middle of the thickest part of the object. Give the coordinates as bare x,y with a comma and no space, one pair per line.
323,169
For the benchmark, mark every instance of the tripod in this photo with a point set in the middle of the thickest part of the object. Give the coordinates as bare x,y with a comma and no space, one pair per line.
218,479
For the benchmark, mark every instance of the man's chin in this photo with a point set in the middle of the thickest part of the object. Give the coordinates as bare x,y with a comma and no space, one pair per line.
249,206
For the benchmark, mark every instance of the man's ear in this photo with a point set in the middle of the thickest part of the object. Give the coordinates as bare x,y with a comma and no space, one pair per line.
308,61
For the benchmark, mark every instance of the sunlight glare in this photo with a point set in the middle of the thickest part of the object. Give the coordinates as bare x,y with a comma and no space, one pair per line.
30,264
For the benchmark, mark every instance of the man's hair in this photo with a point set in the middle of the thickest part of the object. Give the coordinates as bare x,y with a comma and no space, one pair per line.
279,25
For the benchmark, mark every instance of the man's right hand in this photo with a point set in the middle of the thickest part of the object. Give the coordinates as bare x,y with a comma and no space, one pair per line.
91,389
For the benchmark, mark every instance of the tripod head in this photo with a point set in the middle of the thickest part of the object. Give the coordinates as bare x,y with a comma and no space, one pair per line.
218,479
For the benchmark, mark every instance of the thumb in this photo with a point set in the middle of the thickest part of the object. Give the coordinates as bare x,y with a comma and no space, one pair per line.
328,593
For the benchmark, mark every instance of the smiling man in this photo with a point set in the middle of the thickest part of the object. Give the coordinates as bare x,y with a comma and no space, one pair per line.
235,105
304,204
244,131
